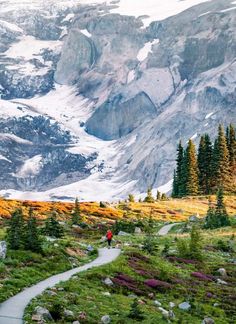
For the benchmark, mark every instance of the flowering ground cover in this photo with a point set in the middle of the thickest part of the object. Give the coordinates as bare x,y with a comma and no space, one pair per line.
152,280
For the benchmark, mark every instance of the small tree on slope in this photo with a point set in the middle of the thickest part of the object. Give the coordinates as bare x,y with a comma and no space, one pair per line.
52,226
31,239
76,215
15,232
221,213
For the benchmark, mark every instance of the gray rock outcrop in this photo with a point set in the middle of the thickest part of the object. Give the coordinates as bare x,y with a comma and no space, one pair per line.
3,249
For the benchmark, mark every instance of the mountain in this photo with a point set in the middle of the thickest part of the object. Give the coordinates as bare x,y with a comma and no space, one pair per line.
95,95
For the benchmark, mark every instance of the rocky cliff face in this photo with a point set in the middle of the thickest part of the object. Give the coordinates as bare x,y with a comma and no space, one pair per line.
135,89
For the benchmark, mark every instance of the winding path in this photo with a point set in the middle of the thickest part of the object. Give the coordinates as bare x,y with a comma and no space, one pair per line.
12,310
166,228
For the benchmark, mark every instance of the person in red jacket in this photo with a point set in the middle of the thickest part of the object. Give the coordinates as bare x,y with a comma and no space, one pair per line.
109,236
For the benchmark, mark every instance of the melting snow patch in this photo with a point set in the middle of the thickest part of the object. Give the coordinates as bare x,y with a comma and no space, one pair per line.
11,27
29,47
194,136
147,48
69,17
209,115
229,9
31,167
14,138
86,33
166,187
204,14
131,76
4,158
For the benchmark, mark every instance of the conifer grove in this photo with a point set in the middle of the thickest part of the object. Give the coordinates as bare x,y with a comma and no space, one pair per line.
211,167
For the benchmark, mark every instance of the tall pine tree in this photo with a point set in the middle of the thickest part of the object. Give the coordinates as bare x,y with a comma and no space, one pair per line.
208,164
231,142
192,186
15,232
174,188
179,171
201,161
222,165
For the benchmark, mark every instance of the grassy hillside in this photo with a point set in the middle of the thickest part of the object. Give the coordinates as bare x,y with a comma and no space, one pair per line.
154,280
170,210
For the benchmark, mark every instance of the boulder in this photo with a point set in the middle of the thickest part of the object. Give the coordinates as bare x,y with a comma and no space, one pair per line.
106,319
51,293
43,313
3,249
208,320
221,282
68,313
185,306
121,233
164,312
76,322
107,294
90,248
37,318
194,218
222,272
172,305
141,302
157,303
138,230
108,282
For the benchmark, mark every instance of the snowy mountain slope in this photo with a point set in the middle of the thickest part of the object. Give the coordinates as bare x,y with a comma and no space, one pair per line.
95,95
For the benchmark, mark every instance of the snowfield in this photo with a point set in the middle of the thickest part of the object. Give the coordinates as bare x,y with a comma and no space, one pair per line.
28,47
154,9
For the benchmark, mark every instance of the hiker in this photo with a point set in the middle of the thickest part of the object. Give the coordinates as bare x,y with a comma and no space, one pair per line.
109,236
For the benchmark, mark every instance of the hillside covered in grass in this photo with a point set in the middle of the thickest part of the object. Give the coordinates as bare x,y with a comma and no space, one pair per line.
167,210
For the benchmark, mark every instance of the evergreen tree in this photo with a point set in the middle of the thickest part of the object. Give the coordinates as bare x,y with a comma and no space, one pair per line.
179,171
217,217
52,226
208,164
223,178
31,239
211,221
220,212
131,198
164,197
135,312
149,198
231,141
76,215
192,187
201,161
214,166
174,193
15,232
158,195
184,175
195,244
